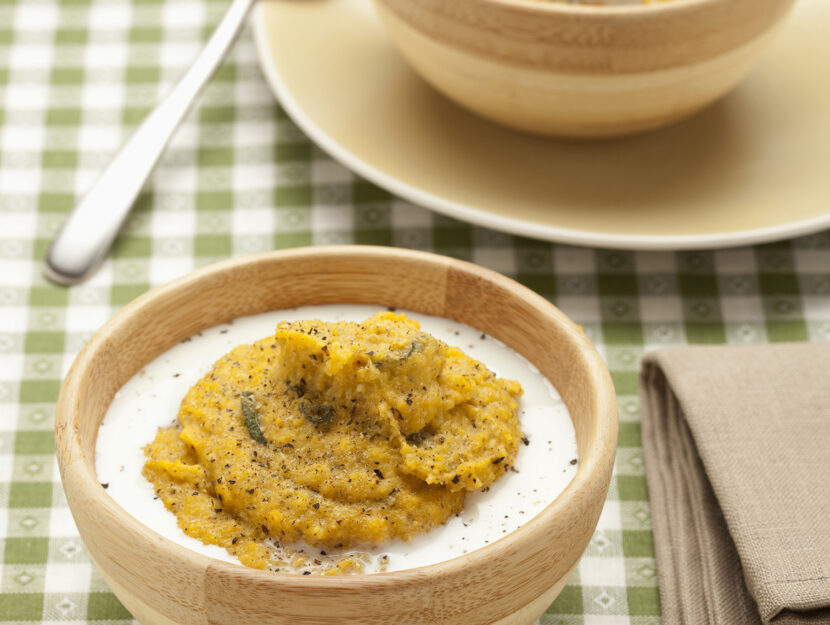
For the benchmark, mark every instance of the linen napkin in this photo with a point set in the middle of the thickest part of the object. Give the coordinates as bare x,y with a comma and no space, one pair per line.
737,452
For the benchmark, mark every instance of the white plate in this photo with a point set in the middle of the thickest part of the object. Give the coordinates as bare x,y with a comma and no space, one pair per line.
754,167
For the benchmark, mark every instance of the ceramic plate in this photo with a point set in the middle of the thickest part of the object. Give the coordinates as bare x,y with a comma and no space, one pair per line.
751,168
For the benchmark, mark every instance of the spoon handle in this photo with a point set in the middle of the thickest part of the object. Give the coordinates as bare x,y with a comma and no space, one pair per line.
89,231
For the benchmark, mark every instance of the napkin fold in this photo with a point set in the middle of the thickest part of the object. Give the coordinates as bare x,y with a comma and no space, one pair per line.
737,451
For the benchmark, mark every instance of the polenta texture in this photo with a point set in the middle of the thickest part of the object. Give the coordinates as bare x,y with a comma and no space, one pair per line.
336,434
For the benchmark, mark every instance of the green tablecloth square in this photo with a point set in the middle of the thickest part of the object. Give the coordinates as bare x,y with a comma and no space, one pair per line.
21,607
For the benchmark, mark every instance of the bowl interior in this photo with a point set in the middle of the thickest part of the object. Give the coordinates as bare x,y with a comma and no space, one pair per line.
410,280
423,283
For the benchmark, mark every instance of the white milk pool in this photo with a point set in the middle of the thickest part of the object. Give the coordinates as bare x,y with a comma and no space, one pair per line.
150,400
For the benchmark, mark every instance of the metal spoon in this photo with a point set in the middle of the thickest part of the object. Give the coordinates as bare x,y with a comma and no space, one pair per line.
89,231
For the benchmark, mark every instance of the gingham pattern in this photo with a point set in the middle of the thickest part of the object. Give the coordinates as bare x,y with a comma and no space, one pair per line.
239,177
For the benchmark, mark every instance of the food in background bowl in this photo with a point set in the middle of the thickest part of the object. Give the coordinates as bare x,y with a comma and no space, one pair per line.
513,578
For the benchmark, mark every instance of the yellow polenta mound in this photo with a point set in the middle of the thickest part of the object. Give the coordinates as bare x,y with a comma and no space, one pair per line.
337,434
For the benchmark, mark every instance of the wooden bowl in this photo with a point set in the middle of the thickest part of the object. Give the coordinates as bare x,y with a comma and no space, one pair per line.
510,581
569,70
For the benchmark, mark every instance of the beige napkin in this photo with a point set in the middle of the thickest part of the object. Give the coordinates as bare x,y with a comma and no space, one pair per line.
737,451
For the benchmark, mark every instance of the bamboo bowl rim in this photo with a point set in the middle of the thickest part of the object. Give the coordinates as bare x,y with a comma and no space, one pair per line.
552,36
638,10
594,460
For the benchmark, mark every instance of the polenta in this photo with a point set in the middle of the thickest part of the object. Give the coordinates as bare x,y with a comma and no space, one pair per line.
335,434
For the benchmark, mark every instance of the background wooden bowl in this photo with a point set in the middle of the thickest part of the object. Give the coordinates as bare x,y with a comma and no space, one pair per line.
511,581
582,71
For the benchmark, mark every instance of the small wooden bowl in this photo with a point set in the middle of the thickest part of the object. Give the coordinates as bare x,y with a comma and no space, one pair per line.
511,581
572,70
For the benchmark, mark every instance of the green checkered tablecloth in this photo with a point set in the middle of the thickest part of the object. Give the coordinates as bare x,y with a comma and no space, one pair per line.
76,76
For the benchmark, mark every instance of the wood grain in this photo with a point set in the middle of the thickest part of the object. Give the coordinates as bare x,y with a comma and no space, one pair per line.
512,580
570,38
567,70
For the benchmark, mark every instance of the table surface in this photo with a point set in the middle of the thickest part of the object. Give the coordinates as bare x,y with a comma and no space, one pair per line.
239,177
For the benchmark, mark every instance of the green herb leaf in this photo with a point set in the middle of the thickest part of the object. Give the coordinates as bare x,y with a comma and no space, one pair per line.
415,346
416,438
249,412
318,414
400,356
299,390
